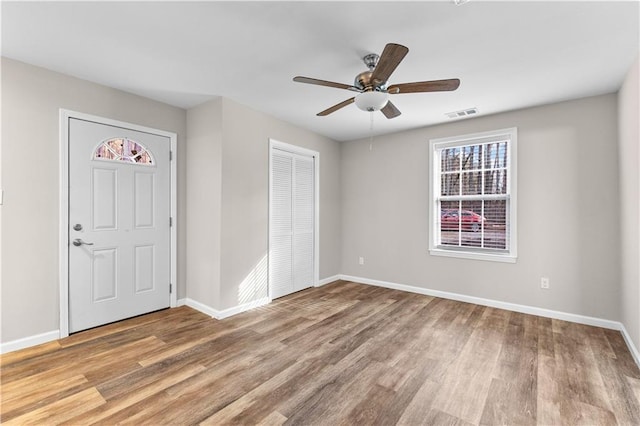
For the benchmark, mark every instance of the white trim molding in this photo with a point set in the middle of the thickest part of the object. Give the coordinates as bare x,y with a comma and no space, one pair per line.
225,313
541,312
632,348
27,342
201,307
327,280
38,339
214,313
63,232
525,309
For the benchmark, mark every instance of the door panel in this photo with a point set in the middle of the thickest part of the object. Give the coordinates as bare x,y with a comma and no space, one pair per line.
144,202
303,195
119,205
145,266
104,194
303,227
303,261
280,272
104,274
280,268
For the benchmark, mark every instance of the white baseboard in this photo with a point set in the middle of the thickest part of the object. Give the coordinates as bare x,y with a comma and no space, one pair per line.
547,313
632,347
208,310
38,339
242,308
532,310
27,342
328,280
225,313
212,312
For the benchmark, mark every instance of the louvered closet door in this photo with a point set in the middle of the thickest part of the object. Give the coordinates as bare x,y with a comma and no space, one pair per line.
292,223
303,210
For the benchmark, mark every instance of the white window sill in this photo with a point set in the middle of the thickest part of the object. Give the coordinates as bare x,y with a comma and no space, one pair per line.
492,257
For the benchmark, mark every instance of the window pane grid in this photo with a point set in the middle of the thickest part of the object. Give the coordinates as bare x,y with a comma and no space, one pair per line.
462,226
472,200
463,171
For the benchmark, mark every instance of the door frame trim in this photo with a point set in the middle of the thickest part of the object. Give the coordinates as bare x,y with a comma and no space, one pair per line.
275,144
63,240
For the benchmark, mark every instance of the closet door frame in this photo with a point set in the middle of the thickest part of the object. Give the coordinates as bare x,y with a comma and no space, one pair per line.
282,146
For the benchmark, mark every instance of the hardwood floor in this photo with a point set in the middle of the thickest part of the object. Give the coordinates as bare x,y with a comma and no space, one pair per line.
341,354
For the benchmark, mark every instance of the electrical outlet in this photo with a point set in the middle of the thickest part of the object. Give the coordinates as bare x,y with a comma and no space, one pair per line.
544,282
361,260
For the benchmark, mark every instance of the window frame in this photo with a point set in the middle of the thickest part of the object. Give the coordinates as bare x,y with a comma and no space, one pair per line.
435,148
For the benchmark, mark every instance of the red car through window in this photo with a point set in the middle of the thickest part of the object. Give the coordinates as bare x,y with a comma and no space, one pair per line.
466,220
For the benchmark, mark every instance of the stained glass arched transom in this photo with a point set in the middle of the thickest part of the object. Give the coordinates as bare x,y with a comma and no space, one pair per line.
123,149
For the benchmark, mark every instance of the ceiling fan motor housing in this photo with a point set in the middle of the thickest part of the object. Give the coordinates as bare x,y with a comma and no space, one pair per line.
364,82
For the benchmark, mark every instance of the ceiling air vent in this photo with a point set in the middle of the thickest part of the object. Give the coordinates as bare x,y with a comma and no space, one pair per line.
462,113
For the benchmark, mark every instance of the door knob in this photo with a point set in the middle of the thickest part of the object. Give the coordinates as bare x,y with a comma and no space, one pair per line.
78,242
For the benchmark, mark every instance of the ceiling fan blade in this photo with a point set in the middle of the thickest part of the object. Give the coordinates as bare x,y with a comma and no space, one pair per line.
391,56
336,107
425,86
309,80
390,110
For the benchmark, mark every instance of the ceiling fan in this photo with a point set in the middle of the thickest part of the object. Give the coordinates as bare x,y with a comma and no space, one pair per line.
372,84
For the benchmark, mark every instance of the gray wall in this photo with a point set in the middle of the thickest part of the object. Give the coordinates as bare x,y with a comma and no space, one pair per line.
567,210
243,136
629,113
31,99
204,197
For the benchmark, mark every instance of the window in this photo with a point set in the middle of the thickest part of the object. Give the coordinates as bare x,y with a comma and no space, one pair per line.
123,149
473,196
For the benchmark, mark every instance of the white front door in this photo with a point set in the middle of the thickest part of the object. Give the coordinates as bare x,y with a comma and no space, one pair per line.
291,222
119,230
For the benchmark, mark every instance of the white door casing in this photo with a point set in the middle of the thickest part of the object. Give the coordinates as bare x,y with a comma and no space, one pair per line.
293,219
121,212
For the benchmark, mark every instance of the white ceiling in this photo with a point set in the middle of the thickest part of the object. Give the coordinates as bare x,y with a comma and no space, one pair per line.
508,55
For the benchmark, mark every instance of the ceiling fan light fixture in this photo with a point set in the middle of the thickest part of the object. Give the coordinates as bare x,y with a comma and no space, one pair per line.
372,100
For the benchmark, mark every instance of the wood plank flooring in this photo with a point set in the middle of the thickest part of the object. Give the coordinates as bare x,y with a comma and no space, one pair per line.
342,354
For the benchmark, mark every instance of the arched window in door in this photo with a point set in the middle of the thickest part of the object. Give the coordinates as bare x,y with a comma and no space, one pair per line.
123,149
